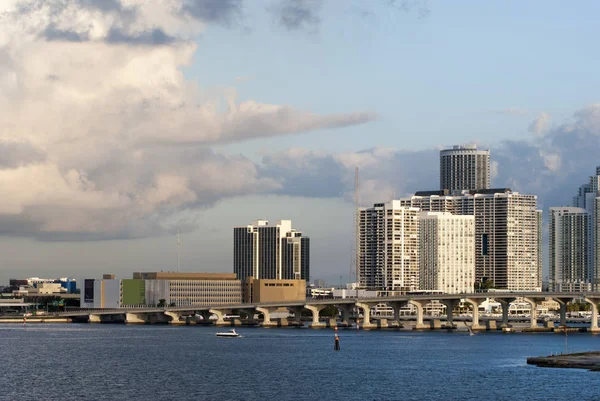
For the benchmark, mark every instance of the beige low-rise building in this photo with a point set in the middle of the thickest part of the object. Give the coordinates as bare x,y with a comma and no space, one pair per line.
265,290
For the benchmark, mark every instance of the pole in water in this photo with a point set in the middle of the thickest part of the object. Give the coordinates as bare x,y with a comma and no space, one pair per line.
24,321
566,341
336,344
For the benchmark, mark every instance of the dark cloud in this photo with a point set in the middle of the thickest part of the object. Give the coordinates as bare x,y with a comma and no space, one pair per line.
156,37
15,154
103,5
310,176
297,14
52,33
306,14
221,11
418,6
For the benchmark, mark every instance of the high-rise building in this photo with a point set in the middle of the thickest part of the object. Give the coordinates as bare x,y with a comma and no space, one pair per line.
464,168
275,252
574,240
388,247
506,233
587,191
446,252
595,240
570,247
540,227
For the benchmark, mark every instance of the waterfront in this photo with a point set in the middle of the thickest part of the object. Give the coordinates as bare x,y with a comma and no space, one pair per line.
113,362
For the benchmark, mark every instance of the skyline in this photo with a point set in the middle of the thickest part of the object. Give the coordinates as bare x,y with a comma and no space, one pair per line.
113,138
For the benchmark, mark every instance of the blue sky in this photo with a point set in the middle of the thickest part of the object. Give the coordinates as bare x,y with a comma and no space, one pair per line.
434,80
113,156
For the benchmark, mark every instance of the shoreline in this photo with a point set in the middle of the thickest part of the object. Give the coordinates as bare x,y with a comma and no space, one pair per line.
582,360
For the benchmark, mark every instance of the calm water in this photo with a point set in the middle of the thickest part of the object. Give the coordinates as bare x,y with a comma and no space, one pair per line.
119,362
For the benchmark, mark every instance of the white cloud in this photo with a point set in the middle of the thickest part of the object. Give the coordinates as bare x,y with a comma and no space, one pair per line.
539,126
101,135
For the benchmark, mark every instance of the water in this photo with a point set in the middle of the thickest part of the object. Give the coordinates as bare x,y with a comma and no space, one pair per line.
128,362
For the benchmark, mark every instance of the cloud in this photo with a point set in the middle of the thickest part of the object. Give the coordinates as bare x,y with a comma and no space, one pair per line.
15,154
101,134
550,166
222,11
297,14
419,6
540,124
382,172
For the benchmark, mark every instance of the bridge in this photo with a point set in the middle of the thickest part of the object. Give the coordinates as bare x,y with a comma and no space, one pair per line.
173,315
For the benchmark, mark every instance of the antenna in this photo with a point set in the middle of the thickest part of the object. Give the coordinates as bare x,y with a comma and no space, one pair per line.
178,243
356,229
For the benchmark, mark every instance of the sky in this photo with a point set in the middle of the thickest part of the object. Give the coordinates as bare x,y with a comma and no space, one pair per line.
123,122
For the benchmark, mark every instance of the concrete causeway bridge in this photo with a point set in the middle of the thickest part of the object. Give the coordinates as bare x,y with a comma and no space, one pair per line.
173,315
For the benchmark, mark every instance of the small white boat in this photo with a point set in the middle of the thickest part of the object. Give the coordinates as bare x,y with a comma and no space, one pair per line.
230,333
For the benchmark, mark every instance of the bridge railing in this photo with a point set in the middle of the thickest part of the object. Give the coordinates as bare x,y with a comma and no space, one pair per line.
335,301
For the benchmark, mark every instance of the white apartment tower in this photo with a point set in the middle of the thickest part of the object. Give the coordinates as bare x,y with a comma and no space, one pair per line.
265,251
464,168
507,227
388,247
570,246
446,252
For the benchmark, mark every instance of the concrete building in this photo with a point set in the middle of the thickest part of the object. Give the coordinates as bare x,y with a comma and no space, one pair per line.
148,288
507,227
30,285
570,247
263,290
275,252
388,247
446,252
464,168
48,289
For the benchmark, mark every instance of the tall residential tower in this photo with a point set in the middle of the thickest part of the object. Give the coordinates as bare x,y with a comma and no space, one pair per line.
571,257
388,247
446,252
464,168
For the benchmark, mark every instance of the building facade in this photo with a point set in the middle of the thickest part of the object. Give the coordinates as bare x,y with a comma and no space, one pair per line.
507,227
149,289
275,252
570,248
264,291
388,247
446,252
464,168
